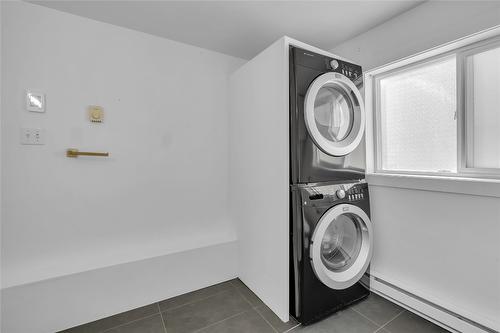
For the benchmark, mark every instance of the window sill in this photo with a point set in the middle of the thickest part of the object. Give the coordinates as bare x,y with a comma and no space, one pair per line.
471,186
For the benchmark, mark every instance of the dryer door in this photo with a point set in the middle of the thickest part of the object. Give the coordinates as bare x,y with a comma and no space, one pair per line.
342,246
334,114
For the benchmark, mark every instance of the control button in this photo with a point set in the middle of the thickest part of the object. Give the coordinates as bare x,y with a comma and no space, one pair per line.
334,63
340,194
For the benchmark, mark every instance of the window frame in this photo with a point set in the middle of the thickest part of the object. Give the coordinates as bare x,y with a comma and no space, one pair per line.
460,49
466,109
378,116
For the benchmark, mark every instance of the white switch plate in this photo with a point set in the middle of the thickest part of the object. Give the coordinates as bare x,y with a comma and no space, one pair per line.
35,101
32,136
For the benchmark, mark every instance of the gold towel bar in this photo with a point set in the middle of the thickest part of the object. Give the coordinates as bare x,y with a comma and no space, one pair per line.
71,152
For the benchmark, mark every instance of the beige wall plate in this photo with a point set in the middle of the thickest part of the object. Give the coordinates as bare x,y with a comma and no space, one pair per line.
96,114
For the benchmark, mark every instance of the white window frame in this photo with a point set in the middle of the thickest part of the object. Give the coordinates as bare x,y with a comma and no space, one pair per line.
477,181
466,108
376,109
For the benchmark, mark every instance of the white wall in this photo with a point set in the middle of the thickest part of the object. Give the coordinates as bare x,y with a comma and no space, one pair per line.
430,24
163,189
441,246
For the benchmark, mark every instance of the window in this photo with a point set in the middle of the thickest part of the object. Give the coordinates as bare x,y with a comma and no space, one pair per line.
483,109
418,130
439,115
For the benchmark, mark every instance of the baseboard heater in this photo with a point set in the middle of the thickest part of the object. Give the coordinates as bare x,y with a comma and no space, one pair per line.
433,312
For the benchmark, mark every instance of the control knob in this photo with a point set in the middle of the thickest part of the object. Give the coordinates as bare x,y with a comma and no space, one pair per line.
334,63
340,194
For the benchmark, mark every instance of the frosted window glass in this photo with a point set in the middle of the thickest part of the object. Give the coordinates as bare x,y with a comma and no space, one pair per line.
485,85
418,123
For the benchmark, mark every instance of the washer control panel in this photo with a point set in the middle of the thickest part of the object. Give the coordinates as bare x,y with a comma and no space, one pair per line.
356,193
316,196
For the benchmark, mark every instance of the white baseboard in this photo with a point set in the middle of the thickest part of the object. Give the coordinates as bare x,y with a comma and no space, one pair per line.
428,310
59,303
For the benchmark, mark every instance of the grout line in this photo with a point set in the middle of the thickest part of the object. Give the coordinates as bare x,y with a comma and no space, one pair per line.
129,322
381,327
262,316
246,299
362,315
255,308
162,320
290,329
194,301
220,321
243,296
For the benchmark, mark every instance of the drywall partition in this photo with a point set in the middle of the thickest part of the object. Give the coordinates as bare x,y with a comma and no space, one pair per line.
259,174
436,239
259,171
164,188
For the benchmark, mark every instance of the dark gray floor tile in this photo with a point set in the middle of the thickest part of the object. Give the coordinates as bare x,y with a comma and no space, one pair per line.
194,296
113,321
377,309
408,322
346,321
151,324
275,322
197,315
247,322
247,293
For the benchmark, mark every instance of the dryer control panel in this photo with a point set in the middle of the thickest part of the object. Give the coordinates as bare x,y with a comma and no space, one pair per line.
326,64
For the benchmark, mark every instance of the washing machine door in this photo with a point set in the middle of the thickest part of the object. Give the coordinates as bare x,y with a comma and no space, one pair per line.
334,114
342,246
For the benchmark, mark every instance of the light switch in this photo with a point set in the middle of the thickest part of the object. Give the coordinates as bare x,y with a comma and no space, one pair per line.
35,101
32,136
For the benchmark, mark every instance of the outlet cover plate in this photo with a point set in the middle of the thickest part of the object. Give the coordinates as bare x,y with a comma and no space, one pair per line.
32,136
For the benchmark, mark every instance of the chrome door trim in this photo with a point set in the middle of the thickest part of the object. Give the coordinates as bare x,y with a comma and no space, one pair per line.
353,139
347,278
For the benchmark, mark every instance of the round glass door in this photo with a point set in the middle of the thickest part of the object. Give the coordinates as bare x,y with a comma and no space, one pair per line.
342,246
334,114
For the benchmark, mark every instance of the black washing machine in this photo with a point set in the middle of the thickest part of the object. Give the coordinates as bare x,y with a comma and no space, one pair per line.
331,248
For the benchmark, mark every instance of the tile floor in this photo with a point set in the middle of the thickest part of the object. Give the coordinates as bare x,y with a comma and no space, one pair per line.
230,307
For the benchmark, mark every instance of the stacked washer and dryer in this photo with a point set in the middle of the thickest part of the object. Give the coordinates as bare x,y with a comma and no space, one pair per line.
330,228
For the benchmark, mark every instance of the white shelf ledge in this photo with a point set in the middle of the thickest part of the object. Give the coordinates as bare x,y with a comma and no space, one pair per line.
470,186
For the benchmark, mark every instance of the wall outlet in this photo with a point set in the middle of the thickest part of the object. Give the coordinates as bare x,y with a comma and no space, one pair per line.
32,136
